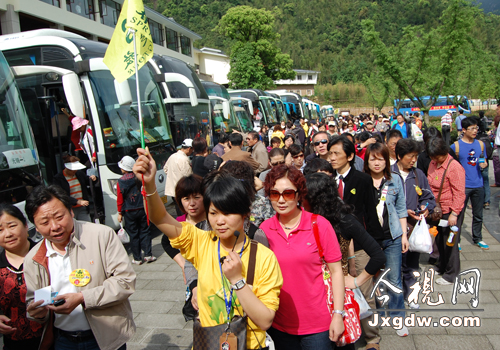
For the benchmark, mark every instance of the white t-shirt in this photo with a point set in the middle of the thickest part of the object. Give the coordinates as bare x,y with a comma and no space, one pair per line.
59,270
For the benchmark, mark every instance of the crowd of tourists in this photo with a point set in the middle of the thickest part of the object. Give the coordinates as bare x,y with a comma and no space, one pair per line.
276,239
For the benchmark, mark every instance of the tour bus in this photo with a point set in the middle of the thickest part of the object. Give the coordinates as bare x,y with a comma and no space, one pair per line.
327,111
277,106
55,69
185,99
224,118
443,104
259,100
293,104
20,166
311,109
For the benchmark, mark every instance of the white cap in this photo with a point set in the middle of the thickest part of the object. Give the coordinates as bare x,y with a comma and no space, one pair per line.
126,163
187,143
74,166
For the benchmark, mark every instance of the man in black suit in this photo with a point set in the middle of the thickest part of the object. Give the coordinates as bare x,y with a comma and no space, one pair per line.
356,189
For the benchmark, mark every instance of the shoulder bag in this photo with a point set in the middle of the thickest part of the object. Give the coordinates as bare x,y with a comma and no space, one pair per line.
437,214
207,338
352,327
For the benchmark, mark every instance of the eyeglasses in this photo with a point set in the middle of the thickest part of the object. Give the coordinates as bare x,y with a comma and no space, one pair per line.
278,163
288,195
322,141
475,128
298,156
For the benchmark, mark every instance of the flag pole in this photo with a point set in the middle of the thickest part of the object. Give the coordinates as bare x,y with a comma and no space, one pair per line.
141,125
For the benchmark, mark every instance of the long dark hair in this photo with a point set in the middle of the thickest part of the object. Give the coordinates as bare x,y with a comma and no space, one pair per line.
323,198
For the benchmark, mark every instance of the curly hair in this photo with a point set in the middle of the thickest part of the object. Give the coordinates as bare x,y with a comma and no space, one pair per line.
323,198
290,172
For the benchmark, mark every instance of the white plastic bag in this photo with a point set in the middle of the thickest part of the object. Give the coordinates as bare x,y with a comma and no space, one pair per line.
417,133
364,308
123,235
420,239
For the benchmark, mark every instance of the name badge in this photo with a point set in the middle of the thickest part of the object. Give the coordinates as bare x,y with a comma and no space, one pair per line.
79,277
384,195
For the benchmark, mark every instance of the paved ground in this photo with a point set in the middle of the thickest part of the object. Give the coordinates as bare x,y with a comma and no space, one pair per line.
159,298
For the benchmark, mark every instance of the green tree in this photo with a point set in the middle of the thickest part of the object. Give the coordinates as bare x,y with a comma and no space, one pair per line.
256,60
426,62
378,88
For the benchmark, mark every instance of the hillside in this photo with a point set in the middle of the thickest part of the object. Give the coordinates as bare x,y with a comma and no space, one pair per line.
326,35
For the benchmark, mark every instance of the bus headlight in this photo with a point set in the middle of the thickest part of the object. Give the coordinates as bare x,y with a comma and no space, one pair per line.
113,183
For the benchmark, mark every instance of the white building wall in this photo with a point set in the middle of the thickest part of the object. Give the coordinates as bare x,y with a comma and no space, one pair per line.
216,66
63,18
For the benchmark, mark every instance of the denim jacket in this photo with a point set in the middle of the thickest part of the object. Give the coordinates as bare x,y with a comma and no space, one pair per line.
396,204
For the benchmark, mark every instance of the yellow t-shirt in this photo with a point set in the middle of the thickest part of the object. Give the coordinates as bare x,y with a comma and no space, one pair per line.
306,128
198,247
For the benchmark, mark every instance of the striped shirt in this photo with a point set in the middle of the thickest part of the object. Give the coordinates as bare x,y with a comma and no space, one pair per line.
446,119
453,193
75,189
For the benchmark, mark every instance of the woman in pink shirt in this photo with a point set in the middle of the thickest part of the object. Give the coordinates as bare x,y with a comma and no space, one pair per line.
302,320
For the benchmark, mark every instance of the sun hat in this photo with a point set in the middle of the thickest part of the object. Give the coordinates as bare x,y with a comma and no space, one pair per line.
126,163
78,122
74,166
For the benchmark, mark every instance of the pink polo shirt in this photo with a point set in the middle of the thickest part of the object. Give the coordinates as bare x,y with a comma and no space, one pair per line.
303,308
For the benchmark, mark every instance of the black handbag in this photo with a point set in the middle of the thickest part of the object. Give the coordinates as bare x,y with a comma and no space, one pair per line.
207,338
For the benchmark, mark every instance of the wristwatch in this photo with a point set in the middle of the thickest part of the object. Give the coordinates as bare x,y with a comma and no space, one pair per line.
239,284
340,312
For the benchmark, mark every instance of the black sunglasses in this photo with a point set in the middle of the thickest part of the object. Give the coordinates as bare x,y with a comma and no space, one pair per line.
278,163
317,143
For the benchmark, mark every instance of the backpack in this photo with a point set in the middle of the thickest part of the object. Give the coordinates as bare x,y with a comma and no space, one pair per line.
457,149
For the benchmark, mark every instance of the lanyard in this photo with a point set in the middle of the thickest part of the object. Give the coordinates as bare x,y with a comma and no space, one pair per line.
226,301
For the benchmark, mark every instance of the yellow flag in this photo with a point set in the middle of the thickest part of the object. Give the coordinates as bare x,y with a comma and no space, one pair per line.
119,56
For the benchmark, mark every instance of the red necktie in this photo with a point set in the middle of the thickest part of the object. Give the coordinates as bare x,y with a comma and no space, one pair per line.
341,187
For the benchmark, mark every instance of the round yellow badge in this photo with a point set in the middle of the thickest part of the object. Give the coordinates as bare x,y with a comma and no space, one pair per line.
79,277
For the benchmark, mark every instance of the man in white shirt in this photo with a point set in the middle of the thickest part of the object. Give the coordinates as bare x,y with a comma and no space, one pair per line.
176,167
446,125
86,264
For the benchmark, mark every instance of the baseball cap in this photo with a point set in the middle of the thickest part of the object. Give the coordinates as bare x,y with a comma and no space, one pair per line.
126,163
78,122
187,143
369,122
331,123
386,120
74,166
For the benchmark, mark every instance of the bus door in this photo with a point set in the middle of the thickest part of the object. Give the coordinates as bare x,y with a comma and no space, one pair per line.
42,89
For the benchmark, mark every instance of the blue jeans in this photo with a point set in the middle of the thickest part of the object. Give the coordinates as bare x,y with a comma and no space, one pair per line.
476,196
394,260
285,341
63,343
486,184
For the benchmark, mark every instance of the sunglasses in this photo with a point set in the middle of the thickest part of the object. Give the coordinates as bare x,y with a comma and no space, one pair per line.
288,195
278,163
317,143
298,156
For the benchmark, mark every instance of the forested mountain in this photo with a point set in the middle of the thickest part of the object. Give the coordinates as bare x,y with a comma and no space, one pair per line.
326,35
491,6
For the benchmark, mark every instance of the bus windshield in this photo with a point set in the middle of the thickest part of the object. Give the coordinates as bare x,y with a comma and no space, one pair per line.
19,168
222,124
120,123
271,117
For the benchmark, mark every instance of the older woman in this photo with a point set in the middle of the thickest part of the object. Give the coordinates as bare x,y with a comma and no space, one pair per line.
291,238
18,332
419,201
390,203
451,199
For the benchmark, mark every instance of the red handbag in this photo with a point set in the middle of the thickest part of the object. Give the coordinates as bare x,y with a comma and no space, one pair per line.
352,327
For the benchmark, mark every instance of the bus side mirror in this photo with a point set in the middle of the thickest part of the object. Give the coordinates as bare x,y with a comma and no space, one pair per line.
250,106
123,93
73,92
176,77
192,97
226,109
